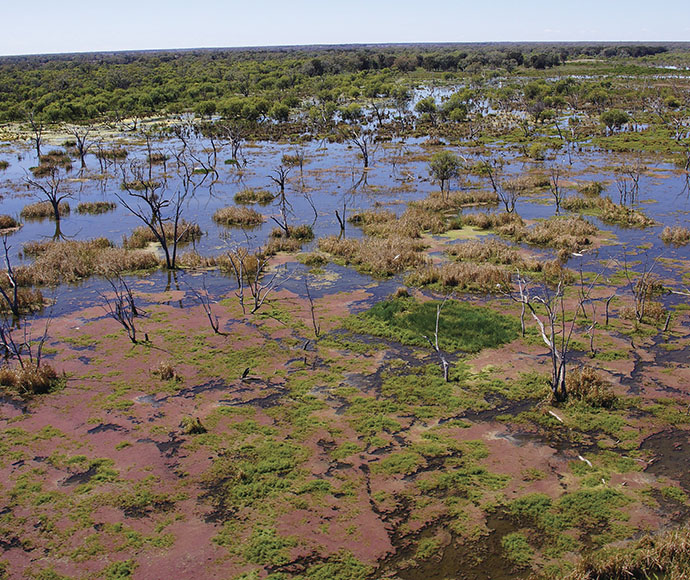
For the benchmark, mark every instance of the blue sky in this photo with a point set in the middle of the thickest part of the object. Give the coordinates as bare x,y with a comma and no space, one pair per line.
48,26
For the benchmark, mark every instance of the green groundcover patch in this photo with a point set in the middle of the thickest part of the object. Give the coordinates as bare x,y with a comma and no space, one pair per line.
462,326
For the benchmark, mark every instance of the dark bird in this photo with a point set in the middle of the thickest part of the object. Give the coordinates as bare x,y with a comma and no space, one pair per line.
245,373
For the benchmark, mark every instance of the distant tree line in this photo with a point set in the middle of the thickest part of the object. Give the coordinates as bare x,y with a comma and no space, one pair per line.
252,83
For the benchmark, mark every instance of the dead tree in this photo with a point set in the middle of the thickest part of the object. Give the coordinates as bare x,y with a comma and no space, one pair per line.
26,350
296,159
508,194
556,325
445,366
251,273
259,288
342,220
568,140
122,308
361,139
205,301
81,135
37,129
315,325
279,177
556,192
643,286
159,209
51,190
236,132
237,258
628,184
11,294
188,133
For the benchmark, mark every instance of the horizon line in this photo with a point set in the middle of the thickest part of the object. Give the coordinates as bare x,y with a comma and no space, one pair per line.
344,45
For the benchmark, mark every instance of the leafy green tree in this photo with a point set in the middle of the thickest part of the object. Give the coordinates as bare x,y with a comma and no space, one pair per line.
444,166
427,108
614,119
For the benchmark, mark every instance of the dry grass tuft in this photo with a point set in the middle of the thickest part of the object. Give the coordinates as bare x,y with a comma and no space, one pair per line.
591,188
43,209
588,385
666,556
29,380
193,259
95,207
455,200
238,216
461,276
490,221
525,183
577,203
142,236
7,222
494,251
613,213
70,261
260,196
28,299
676,235
292,241
165,372
376,256
566,233
242,259
412,223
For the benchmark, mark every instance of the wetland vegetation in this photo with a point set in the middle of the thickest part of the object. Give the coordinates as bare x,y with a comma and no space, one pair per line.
346,313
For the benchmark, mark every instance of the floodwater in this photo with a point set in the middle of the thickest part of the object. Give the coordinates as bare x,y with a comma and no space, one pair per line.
332,179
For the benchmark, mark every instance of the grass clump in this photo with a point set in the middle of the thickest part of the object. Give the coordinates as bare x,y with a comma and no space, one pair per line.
165,372
112,154
494,251
568,234
676,235
290,241
666,556
192,426
492,221
142,236
412,223
28,299
95,207
455,200
377,256
266,547
517,549
29,380
579,203
43,209
238,216
72,260
462,326
587,385
591,188
622,215
313,259
7,222
461,276
260,196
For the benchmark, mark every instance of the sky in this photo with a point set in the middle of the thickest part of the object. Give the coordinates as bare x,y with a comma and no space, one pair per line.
50,26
